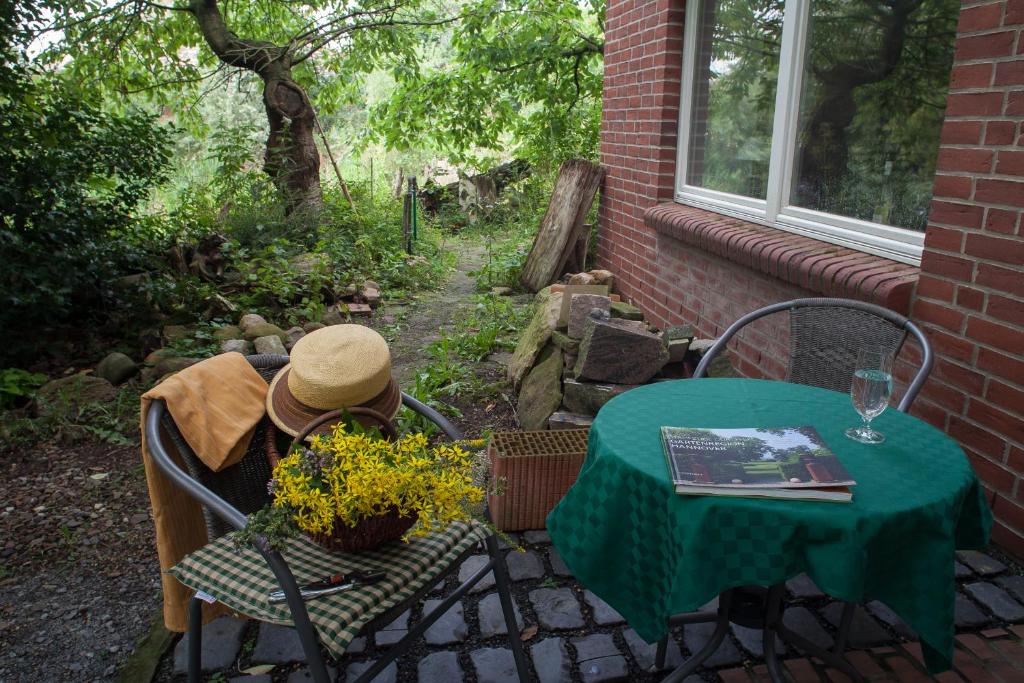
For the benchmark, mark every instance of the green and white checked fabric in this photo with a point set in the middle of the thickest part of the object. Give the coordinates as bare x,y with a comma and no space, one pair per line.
242,580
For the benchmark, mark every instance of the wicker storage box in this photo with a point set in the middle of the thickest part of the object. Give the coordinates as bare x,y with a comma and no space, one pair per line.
531,471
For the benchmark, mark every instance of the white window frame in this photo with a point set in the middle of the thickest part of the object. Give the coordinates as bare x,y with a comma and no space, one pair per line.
898,244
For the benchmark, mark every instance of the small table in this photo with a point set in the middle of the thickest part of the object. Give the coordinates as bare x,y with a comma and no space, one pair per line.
651,553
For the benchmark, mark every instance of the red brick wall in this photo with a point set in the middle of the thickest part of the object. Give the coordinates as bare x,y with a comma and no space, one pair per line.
643,67
970,294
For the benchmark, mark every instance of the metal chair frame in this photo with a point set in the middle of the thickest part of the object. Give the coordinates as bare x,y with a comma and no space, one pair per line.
757,607
217,507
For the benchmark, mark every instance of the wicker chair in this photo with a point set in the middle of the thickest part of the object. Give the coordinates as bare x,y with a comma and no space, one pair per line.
825,335
227,496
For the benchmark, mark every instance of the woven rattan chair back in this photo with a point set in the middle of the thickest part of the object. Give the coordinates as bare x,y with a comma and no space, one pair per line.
244,484
824,341
825,336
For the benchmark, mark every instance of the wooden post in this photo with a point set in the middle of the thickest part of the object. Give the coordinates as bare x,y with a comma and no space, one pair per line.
330,155
561,228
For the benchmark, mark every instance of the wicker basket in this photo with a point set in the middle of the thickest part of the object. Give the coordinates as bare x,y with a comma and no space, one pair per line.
371,531
530,472
367,533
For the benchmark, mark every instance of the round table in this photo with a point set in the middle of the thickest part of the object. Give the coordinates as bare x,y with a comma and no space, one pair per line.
652,553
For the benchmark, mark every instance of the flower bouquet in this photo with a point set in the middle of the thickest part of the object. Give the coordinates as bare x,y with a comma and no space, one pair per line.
351,490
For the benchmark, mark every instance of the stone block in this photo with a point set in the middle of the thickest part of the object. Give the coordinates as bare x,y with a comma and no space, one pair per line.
598,659
250,319
677,349
294,335
494,665
981,563
116,368
581,279
620,309
278,644
393,632
270,344
470,567
967,615
439,667
556,608
565,342
695,636
356,669
563,420
558,565
996,600
523,566
449,628
551,661
801,586
257,330
644,652
225,332
580,308
586,398
541,392
567,291
236,346
537,537
222,639
604,614
535,336
603,277
492,618
615,351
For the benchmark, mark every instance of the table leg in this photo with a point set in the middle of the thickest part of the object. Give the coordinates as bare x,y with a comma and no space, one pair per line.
772,620
721,628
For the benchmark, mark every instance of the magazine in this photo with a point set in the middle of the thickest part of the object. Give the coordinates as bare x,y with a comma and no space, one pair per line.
789,462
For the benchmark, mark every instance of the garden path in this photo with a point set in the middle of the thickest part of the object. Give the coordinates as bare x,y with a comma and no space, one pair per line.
422,322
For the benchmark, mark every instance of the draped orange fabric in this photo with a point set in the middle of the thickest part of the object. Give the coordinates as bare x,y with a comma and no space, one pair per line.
216,405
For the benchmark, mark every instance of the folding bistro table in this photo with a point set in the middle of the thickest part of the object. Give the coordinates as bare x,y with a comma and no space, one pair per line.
652,553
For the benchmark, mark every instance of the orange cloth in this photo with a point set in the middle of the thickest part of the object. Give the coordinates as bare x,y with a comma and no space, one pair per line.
216,405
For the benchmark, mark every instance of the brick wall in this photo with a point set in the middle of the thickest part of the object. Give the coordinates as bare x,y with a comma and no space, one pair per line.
970,296
970,292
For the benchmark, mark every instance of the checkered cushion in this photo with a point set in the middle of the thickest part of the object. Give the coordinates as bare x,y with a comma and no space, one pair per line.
242,580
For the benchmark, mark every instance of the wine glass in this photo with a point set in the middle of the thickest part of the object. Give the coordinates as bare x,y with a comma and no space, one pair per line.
870,391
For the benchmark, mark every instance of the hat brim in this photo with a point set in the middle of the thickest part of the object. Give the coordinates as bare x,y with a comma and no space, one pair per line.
291,415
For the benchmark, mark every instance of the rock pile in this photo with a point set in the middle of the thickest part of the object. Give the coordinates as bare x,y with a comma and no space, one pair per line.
584,346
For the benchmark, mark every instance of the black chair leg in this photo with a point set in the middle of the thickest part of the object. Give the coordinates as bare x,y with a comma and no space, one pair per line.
195,639
507,608
659,654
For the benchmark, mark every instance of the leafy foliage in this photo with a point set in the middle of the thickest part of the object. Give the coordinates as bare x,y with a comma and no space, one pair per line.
530,71
72,176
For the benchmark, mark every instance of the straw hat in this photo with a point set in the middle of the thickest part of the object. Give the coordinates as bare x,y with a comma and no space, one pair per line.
341,366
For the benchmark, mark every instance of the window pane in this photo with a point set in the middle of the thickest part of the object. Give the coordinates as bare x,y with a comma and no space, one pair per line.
733,95
874,91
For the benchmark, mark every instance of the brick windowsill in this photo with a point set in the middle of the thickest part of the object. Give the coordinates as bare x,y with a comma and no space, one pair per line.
820,267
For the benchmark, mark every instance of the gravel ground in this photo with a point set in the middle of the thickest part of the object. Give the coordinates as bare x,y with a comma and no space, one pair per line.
78,579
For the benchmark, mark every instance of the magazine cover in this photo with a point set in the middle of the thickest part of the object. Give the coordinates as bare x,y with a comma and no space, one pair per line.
786,458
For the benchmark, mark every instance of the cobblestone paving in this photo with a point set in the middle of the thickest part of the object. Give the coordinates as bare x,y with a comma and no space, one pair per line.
581,639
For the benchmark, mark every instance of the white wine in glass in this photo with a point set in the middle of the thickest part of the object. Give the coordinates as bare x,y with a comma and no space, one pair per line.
870,392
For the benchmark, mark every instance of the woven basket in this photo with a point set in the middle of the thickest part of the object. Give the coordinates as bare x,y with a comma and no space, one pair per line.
371,531
367,533
530,473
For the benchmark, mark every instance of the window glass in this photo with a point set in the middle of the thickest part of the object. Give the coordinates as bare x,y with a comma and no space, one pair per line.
733,99
875,74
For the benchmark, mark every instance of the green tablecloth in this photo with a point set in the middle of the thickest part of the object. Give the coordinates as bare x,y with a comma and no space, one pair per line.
651,553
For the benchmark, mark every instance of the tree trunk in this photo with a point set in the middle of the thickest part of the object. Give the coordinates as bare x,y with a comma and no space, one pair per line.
291,159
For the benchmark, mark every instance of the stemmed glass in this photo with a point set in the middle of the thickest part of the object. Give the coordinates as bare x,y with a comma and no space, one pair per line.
870,391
